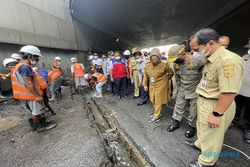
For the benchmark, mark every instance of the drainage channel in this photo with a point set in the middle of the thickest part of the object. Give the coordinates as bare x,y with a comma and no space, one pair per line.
119,148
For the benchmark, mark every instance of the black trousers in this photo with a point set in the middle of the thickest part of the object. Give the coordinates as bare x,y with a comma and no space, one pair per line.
242,102
111,85
143,94
121,86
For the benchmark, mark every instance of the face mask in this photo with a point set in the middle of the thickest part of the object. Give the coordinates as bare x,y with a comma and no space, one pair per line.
179,61
139,60
95,57
248,51
118,58
33,63
198,55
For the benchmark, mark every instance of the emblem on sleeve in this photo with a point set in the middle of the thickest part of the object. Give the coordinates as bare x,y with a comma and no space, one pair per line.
228,72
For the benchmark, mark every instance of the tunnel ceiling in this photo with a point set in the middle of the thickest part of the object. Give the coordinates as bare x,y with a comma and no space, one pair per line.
145,23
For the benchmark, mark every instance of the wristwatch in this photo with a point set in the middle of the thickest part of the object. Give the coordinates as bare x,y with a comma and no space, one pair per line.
216,114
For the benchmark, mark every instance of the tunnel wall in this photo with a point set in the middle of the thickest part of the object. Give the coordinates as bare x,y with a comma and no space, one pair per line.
45,23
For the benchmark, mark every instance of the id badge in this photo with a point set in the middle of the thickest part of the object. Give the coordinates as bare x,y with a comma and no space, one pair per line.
152,80
204,84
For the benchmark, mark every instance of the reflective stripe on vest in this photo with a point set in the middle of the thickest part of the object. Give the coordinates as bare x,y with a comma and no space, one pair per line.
78,70
54,74
42,82
20,91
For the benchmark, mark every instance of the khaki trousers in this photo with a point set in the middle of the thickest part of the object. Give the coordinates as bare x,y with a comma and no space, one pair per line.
210,140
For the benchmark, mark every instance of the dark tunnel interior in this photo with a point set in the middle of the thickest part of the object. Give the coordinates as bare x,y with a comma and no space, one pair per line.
146,23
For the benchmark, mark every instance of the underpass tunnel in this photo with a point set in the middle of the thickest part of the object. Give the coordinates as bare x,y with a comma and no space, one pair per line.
72,28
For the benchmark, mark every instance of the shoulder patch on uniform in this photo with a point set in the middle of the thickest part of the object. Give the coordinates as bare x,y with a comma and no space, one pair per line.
229,70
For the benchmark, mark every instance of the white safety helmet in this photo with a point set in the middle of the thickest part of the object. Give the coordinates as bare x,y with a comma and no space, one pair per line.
9,60
34,68
86,76
127,53
73,60
91,57
30,49
16,56
57,58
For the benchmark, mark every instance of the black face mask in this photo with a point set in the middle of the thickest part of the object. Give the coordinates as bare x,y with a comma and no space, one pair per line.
179,61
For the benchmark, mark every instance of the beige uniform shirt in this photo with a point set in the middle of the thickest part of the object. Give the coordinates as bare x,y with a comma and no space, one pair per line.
223,73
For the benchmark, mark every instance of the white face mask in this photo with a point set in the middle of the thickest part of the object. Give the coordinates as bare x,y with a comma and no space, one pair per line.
248,51
33,62
95,57
118,58
139,60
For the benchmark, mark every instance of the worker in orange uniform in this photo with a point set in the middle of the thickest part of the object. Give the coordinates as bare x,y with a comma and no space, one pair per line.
27,85
78,71
55,79
101,79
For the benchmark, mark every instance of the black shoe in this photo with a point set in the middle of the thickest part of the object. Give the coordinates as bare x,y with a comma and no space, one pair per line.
174,125
135,97
141,103
46,126
198,164
112,94
247,136
190,132
192,145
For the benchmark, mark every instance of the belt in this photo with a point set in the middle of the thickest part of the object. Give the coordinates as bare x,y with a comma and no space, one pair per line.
208,98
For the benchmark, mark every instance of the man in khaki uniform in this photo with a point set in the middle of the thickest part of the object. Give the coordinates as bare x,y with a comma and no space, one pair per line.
133,69
157,74
188,74
220,83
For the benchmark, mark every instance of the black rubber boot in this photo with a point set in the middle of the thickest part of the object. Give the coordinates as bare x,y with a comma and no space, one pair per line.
190,132
174,125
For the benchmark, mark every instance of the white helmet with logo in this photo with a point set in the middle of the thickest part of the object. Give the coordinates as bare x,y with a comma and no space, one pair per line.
16,56
127,53
91,57
73,60
57,58
30,49
9,60
86,76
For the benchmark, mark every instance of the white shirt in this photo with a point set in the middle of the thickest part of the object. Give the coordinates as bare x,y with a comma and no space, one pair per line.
97,62
245,87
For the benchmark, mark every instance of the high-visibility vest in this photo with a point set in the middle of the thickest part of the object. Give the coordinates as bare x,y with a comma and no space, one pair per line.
54,74
20,91
78,70
100,77
42,82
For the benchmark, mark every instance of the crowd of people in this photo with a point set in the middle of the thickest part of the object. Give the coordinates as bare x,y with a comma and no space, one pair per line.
202,76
